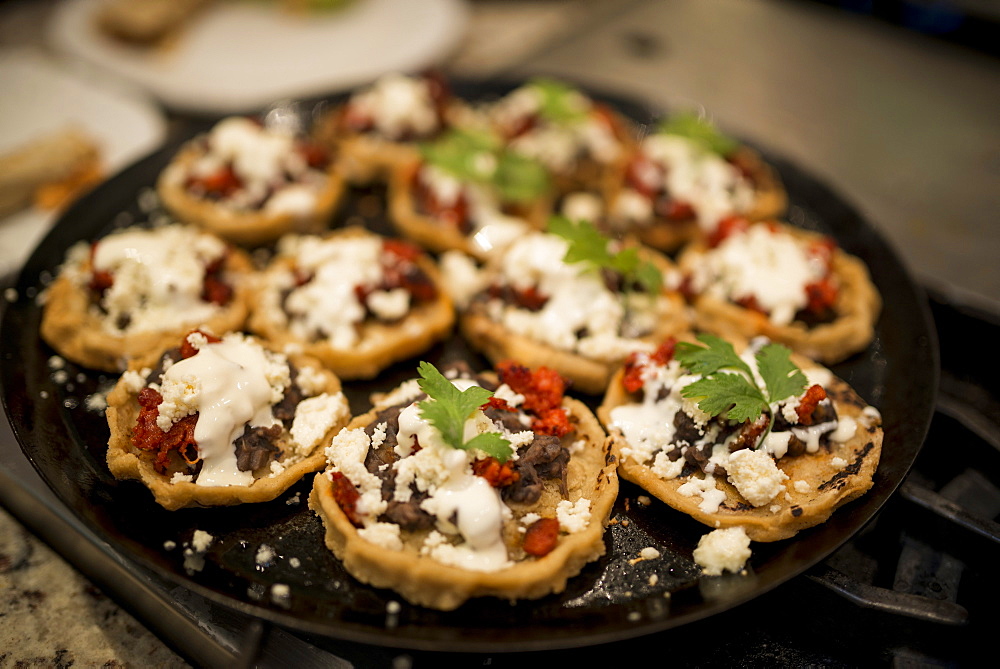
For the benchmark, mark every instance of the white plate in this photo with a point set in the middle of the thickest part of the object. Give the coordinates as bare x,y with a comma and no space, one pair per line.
40,96
235,57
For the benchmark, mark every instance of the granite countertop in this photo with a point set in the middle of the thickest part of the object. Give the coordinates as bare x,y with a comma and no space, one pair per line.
906,128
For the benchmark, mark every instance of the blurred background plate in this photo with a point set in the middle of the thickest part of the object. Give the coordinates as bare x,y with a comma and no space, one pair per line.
234,57
41,97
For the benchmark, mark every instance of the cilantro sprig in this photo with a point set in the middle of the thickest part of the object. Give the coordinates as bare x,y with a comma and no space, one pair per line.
728,386
480,157
449,408
701,130
560,102
588,245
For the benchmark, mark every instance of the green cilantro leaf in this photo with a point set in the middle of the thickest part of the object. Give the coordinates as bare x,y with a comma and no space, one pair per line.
701,130
449,408
561,103
737,394
465,154
519,178
588,245
781,376
715,355
730,395
479,157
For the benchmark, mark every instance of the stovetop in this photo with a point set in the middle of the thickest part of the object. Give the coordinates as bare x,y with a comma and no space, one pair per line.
914,588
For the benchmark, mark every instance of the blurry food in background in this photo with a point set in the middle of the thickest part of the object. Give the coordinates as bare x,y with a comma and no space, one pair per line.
377,128
251,183
467,191
684,178
150,22
580,141
49,171
146,22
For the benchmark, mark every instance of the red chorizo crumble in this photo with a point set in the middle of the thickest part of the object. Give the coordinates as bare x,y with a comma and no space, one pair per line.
634,367
541,537
808,402
498,475
148,436
543,391
346,496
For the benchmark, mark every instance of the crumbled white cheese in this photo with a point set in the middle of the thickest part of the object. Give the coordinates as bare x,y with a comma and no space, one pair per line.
327,307
158,278
774,267
649,553
389,305
311,380
802,486
462,277
691,173
201,540
723,550
711,496
385,535
314,417
398,105
838,463
346,454
755,476
573,517
265,555
530,519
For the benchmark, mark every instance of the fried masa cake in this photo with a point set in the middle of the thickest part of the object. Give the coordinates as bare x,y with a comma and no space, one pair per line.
138,290
793,286
686,177
355,300
513,512
218,422
251,183
684,430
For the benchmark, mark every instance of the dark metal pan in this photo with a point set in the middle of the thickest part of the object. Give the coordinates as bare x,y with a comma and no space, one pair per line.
610,600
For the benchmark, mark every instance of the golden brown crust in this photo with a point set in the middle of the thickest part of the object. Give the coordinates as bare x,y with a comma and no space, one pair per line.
78,333
424,581
587,375
857,308
379,344
128,462
250,228
827,486
438,236
770,201
361,157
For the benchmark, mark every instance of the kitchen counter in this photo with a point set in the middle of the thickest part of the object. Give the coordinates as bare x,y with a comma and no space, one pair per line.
905,127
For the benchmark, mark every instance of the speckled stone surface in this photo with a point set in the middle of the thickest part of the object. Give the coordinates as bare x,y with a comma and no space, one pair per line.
50,616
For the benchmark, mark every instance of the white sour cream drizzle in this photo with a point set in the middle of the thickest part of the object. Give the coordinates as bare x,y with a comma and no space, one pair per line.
229,381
